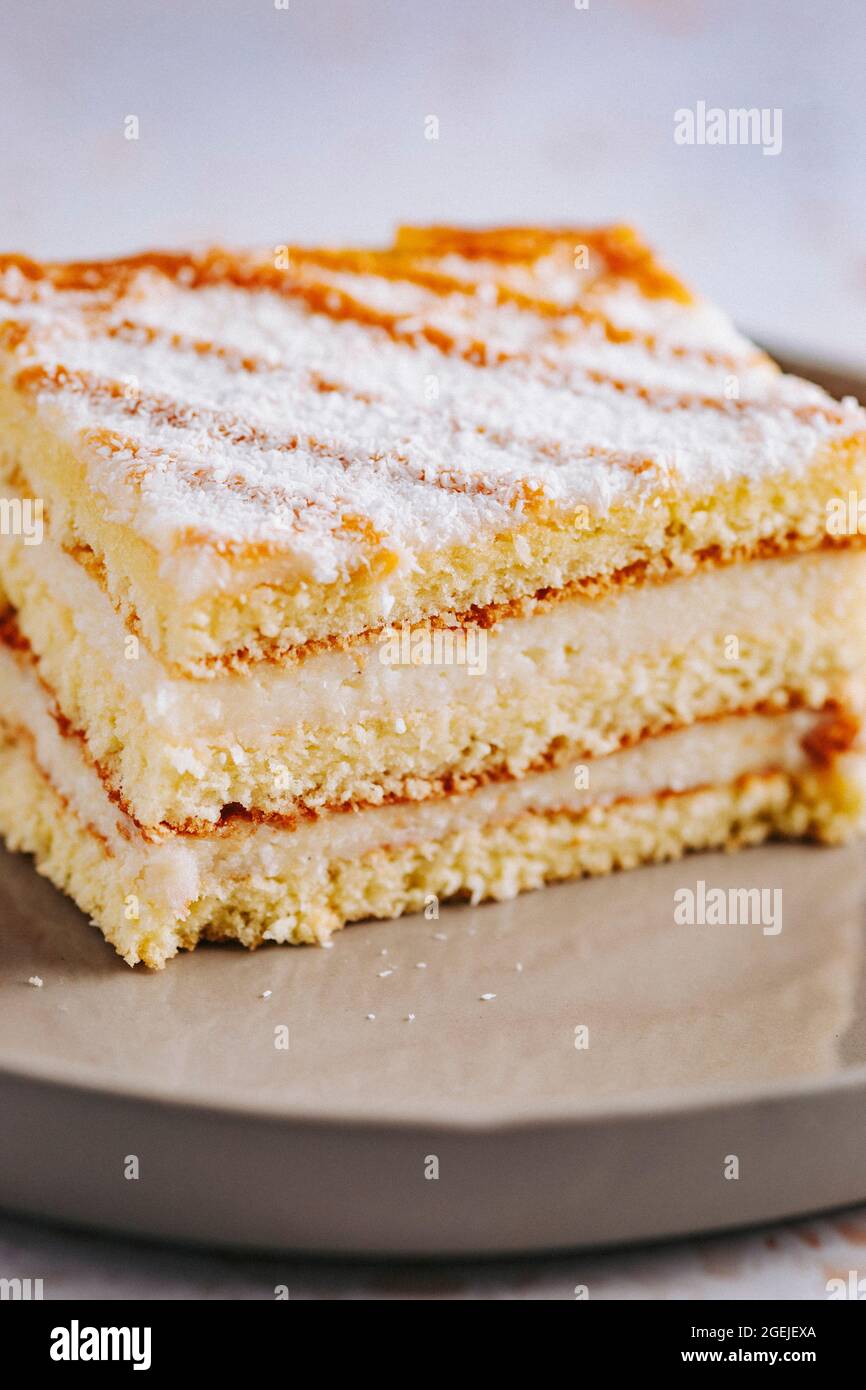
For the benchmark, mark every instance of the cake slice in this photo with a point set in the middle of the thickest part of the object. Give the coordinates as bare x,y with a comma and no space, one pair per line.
339,583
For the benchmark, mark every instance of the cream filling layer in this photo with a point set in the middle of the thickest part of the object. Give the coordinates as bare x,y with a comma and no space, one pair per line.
761,600
176,870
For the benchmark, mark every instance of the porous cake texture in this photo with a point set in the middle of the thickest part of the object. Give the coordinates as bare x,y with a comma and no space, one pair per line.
341,582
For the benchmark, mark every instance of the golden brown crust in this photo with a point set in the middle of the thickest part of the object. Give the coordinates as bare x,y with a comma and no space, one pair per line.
834,735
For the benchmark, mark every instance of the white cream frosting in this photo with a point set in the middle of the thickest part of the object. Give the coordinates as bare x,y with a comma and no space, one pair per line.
330,687
761,598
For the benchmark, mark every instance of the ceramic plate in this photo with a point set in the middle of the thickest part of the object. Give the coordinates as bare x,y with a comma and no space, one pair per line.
573,1067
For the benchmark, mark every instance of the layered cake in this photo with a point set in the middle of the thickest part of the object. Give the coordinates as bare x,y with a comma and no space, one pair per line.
340,583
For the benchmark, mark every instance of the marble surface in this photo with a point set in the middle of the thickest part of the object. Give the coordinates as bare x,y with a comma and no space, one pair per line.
261,124
793,1261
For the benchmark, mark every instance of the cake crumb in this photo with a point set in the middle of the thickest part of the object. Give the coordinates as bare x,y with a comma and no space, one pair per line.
36,981
485,997
383,974
266,994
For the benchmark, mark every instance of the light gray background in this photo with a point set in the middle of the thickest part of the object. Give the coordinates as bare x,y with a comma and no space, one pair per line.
267,125
262,125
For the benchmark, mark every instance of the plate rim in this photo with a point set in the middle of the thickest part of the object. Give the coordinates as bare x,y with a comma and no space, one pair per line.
665,1103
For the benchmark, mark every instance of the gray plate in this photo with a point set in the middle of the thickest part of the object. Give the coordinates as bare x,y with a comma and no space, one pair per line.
703,1043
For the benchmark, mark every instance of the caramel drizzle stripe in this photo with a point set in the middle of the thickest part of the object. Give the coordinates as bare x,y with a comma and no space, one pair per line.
217,267
222,425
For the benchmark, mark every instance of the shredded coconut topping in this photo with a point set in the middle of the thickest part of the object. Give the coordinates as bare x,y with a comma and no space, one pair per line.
338,407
